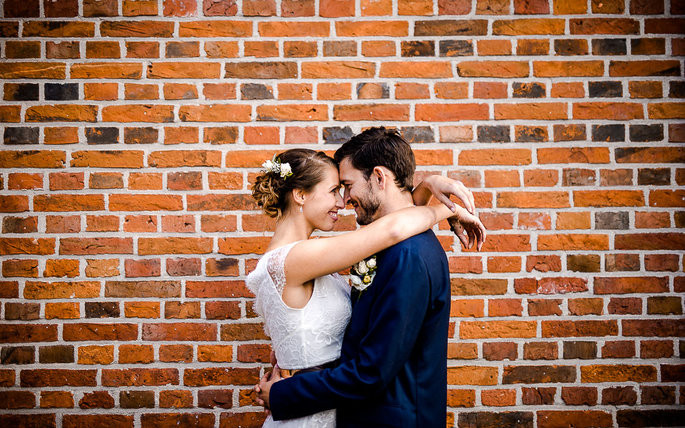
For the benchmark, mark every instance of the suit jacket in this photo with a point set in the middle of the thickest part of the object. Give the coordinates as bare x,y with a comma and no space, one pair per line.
392,369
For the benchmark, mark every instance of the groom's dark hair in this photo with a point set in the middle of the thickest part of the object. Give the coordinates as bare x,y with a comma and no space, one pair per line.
380,147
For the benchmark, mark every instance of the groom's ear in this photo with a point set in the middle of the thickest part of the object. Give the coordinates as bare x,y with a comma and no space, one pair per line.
380,176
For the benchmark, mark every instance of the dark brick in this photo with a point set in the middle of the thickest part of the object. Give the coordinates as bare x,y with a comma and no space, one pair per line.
624,153
9,29
620,395
337,134
56,354
653,176
451,27
646,7
455,48
141,135
605,89
182,49
676,89
21,136
625,305
61,91
60,8
96,400
580,350
538,396
609,47
583,262
102,135
644,133
102,309
538,374
211,398
579,395
662,394
498,351
22,8
611,220
23,49
499,419
650,418
673,373
608,133
22,311
21,92
679,218
370,90
136,399
106,181
19,225
578,177
645,46
418,48
255,91
529,90
191,180
418,134
493,134
568,47
340,48
17,355
530,134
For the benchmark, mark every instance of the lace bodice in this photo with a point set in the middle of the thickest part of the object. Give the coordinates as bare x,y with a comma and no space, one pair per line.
305,337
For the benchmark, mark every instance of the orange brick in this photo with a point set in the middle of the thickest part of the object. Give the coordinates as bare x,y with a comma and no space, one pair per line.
494,47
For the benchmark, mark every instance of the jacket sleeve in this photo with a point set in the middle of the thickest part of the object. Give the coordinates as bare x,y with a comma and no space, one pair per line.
394,323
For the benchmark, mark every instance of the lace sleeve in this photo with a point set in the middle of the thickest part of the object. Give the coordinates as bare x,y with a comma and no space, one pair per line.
275,265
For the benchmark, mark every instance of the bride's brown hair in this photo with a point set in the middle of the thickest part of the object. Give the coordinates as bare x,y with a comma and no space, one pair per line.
272,192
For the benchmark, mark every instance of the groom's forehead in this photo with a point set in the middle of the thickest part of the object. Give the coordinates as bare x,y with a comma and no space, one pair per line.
348,171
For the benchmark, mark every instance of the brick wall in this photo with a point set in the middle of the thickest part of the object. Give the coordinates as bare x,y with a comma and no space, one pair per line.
132,130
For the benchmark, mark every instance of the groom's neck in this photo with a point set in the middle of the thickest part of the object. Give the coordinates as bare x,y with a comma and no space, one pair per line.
395,201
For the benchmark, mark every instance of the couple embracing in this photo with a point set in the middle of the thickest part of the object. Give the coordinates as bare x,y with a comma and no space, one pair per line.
375,355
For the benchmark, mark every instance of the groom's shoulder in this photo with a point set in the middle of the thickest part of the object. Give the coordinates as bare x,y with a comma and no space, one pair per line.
417,244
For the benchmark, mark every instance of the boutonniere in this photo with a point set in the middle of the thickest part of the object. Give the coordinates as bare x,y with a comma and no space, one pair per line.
362,273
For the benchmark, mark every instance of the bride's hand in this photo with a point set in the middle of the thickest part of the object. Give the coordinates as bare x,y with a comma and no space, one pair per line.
469,229
442,188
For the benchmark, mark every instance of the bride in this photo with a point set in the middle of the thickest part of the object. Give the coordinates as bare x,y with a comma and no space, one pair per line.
304,302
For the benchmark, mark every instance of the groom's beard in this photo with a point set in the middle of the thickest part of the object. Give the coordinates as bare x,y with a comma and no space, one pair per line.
368,206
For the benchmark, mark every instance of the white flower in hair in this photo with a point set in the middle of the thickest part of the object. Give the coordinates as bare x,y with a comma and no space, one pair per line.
285,170
268,165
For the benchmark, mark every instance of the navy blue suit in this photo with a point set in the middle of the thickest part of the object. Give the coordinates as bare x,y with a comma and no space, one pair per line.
392,369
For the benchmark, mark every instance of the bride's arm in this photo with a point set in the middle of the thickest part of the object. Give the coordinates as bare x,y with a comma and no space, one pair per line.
316,257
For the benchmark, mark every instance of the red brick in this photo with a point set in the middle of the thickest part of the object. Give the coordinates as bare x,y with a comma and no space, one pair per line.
499,69
568,68
528,26
644,68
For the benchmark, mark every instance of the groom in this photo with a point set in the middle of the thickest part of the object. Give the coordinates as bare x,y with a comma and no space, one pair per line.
392,369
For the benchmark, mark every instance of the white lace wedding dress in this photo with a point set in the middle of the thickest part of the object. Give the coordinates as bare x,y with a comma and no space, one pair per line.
301,338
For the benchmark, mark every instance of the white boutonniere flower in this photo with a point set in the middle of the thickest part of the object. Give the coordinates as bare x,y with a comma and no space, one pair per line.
362,273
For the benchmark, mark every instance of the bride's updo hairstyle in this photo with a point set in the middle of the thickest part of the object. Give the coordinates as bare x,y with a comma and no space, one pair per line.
273,192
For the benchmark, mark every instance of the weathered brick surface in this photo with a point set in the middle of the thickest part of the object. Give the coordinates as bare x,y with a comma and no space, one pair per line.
132,130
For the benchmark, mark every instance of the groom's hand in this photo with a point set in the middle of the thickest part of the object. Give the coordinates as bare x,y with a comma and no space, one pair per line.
264,387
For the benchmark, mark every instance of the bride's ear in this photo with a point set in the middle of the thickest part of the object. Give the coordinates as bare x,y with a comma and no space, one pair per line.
298,196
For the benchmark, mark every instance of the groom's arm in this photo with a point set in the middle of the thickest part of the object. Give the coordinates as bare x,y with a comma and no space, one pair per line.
394,325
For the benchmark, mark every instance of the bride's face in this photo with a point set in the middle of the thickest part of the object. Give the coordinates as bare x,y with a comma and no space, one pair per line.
323,202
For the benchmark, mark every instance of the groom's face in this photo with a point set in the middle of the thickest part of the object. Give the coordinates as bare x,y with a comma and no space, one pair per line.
359,192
